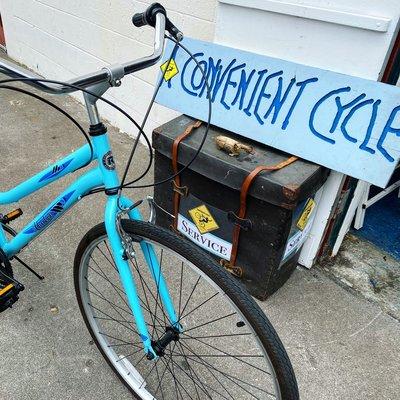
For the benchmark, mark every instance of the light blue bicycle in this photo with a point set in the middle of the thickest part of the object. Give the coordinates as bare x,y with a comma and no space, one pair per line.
169,321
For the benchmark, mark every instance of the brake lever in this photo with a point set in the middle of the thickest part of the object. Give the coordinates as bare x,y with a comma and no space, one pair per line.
173,30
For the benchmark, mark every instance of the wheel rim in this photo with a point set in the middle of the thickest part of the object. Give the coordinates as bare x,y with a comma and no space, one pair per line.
218,355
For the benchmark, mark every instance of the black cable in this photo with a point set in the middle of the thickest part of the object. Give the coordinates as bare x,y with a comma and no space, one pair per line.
141,131
78,88
146,116
170,178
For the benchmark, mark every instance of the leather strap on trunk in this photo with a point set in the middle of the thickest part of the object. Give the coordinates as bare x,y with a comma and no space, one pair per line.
178,189
243,205
183,190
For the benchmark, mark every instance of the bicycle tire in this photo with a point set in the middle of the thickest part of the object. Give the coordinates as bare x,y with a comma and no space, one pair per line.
237,294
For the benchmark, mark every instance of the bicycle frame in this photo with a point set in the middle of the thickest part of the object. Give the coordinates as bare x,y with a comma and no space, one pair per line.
104,174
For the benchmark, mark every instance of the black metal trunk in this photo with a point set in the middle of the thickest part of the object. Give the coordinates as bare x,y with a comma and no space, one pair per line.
275,202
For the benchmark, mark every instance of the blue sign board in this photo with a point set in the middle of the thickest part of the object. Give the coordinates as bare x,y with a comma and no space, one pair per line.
345,123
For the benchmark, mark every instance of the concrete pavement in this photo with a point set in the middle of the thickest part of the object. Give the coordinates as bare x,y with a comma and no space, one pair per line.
341,346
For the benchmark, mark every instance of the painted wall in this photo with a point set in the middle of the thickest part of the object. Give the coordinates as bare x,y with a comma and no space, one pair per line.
350,37
62,39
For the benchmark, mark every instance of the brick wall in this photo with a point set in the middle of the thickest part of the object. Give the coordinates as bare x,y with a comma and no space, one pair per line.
61,39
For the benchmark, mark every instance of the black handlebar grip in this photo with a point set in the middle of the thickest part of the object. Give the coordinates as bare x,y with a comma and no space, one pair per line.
148,17
139,19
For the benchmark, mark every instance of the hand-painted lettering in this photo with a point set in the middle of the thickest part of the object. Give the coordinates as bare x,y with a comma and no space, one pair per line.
346,123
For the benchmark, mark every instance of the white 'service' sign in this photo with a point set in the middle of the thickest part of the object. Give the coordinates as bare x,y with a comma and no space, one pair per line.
207,241
345,123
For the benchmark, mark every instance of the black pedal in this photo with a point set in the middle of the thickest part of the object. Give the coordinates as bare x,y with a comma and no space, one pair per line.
9,286
9,294
11,216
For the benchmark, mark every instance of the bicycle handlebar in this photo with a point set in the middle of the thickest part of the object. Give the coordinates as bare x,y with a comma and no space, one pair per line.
157,18
148,17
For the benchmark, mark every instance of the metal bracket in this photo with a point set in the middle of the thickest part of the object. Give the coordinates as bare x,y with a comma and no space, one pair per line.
181,190
153,205
244,223
152,216
99,89
127,241
115,73
232,269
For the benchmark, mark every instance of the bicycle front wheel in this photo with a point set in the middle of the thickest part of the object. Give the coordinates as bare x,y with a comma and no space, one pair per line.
227,349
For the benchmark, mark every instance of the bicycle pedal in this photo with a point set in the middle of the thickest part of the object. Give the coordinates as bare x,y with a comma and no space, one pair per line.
9,294
11,216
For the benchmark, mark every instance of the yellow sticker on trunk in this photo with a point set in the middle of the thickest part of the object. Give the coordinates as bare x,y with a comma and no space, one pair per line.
203,219
171,71
305,215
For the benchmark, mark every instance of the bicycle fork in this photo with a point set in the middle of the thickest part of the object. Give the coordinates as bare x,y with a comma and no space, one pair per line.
121,245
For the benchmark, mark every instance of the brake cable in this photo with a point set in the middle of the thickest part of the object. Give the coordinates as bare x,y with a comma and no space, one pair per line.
170,178
139,127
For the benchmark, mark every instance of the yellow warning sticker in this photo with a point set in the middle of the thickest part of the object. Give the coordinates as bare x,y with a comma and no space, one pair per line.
203,219
171,71
305,215
6,289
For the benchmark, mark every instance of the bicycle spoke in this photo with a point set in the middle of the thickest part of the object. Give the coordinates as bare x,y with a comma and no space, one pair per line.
158,327
145,294
210,367
112,319
159,385
231,378
193,372
217,336
151,370
142,358
197,307
165,370
227,355
113,305
195,387
131,354
117,320
211,321
236,357
111,256
113,337
125,344
112,263
119,291
177,389
190,296
213,375
197,383
173,363
178,382
149,290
